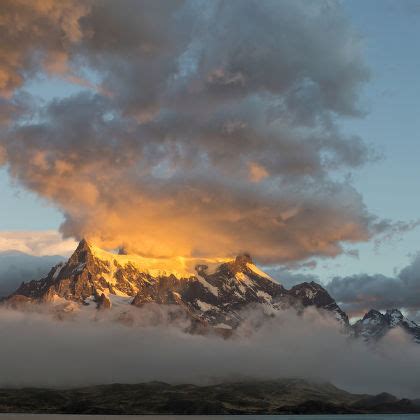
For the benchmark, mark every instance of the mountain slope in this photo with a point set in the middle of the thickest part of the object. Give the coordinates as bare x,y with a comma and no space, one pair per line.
212,292
285,396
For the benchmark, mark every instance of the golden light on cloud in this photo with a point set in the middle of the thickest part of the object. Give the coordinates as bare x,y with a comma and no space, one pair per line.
257,172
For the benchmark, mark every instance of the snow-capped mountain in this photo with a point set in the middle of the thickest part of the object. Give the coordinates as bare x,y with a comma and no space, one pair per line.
211,292
375,325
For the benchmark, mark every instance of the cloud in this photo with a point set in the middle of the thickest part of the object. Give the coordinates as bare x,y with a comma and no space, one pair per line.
87,351
36,34
212,128
36,243
359,293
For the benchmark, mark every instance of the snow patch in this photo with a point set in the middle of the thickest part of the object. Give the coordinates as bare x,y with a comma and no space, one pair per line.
204,306
79,268
58,269
243,278
310,294
207,285
118,300
180,267
264,295
259,272
223,326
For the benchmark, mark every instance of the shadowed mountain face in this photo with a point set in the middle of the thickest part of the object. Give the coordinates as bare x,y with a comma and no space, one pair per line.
286,396
211,293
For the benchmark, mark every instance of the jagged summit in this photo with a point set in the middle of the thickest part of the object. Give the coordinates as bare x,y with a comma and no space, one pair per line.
395,316
375,325
82,253
83,246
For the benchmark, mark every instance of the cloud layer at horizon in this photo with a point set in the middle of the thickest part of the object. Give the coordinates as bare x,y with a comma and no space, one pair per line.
204,128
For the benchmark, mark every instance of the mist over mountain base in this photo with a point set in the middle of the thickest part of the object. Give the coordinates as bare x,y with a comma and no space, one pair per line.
40,351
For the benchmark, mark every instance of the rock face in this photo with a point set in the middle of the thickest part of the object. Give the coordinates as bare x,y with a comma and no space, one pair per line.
375,325
211,292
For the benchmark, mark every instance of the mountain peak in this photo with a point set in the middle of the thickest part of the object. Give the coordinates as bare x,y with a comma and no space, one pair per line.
373,313
83,245
243,259
82,252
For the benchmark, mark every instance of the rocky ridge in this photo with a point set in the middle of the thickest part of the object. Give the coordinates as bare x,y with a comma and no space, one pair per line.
211,293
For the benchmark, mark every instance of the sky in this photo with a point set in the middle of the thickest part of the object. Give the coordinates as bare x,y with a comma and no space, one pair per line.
378,37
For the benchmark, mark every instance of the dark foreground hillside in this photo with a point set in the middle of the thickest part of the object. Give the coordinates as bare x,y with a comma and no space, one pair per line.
287,396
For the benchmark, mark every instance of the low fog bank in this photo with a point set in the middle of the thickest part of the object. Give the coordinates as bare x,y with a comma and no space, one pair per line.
37,350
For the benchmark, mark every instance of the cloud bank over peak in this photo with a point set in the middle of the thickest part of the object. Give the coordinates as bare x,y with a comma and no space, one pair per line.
211,128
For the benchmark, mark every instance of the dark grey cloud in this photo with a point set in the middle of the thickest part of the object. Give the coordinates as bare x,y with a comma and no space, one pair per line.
359,293
209,128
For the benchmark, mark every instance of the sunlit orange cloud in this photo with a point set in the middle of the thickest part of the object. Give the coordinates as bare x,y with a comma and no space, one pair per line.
257,172
102,205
